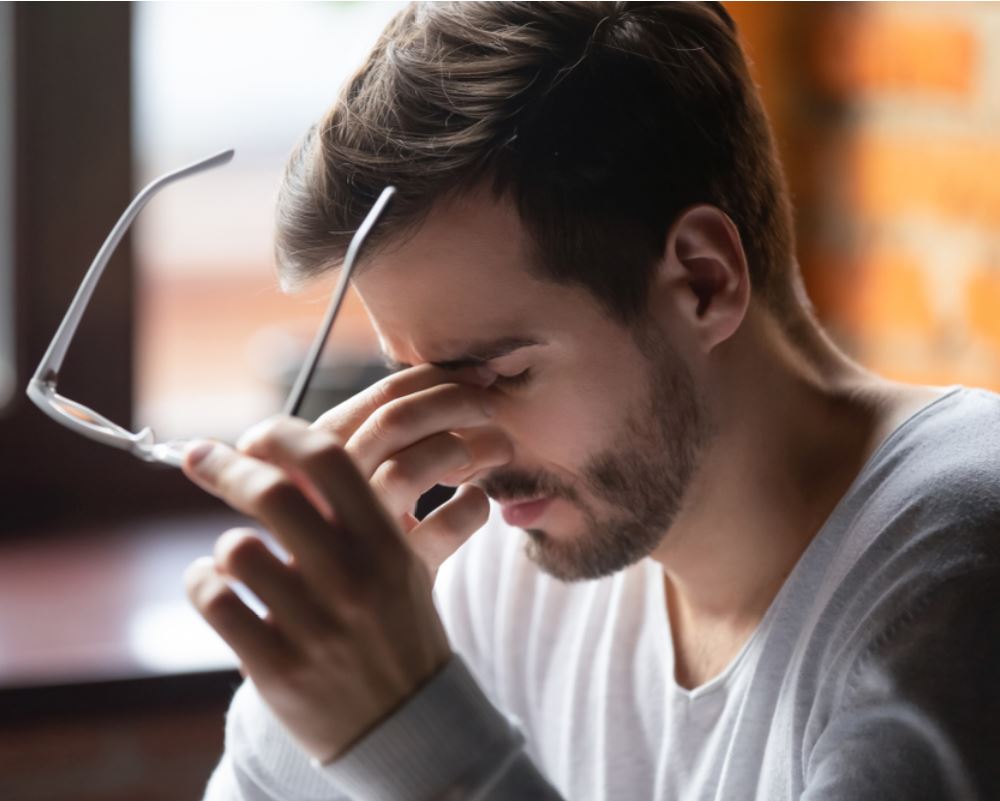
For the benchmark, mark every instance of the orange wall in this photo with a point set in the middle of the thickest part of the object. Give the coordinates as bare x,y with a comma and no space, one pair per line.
888,117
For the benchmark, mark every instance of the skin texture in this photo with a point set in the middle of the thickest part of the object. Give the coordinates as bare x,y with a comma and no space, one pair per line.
629,492
704,437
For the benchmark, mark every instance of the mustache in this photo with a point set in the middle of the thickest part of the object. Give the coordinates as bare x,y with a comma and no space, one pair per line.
520,485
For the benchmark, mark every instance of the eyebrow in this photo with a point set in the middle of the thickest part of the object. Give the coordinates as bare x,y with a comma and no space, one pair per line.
474,353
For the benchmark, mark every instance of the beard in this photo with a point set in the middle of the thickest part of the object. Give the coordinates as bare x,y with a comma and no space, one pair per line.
639,483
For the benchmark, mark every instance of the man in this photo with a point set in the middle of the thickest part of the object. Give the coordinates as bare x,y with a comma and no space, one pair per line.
723,562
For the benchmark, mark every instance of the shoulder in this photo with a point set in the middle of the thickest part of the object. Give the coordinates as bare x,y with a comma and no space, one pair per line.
906,648
910,565
928,503
951,445
919,690
925,516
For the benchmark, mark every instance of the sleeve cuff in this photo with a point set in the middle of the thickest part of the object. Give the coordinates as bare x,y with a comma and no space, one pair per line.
445,737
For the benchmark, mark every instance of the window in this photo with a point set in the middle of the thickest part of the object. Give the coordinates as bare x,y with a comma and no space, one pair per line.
8,373
66,192
216,340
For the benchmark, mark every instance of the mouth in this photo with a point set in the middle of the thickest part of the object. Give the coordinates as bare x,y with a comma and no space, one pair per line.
524,513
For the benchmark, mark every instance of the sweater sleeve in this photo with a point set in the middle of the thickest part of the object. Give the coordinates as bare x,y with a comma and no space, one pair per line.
920,717
262,762
446,742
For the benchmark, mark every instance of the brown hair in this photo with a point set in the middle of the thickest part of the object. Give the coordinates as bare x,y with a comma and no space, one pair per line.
601,120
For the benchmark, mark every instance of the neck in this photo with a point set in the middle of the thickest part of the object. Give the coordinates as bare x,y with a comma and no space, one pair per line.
792,427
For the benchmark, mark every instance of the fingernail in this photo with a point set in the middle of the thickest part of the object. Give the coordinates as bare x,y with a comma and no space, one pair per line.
197,451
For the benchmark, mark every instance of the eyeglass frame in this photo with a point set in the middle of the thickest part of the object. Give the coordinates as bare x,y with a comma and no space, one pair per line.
42,386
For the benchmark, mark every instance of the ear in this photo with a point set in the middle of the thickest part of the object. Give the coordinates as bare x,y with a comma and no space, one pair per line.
703,282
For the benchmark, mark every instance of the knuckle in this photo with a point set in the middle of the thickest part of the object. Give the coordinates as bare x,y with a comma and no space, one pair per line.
260,436
464,515
475,506
462,450
397,476
238,550
335,422
218,601
274,490
232,475
331,421
392,416
478,512
387,390
324,452
213,598
375,429
194,576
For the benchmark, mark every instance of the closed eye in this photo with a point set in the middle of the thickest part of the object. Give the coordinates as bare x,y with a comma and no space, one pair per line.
512,381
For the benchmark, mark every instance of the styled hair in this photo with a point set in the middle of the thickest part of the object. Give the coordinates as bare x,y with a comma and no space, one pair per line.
601,121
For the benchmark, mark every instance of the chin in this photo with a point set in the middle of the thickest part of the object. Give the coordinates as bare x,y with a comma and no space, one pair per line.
578,557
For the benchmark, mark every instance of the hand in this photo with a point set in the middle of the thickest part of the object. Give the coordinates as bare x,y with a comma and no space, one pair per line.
351,630
417,428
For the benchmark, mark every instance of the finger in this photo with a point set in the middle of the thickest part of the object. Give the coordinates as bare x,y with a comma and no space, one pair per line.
314,459
242,555
440,459
267,493
407,522
490,447
403,422
443,531
400,481
260,442
260,648
346,418
302,452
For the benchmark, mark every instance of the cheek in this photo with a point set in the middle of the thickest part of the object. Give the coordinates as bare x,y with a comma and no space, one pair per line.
560,429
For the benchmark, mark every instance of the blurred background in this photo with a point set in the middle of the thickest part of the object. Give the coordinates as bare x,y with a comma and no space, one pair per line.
888,119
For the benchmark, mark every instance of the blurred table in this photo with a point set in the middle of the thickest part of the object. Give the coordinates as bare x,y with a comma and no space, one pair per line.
111,687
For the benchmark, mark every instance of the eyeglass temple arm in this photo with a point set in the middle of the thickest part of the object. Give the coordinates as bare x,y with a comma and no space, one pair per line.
294,402
48,368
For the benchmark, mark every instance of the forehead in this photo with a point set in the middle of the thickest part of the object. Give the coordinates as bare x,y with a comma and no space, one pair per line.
463,275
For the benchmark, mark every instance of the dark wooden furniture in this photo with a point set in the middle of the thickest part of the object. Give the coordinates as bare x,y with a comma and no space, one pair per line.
111,687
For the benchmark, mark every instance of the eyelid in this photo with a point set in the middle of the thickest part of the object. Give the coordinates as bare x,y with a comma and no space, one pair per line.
513,381
508,363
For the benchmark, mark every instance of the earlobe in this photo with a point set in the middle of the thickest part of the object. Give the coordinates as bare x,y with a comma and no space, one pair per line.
704,274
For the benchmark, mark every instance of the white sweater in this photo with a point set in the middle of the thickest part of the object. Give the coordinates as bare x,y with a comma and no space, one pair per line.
875,674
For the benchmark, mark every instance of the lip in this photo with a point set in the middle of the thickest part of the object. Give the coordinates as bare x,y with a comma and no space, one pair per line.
524,513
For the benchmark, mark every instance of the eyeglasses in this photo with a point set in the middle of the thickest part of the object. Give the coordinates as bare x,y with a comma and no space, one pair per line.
85,421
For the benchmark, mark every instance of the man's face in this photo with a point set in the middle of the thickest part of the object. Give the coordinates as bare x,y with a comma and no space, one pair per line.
605,423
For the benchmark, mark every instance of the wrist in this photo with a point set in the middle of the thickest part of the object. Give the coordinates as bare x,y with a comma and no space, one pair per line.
446,735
